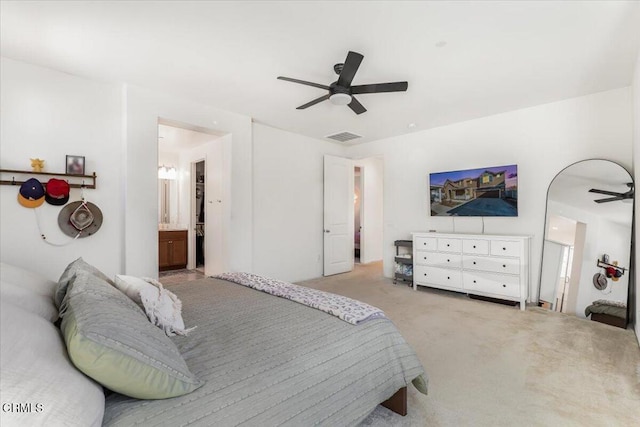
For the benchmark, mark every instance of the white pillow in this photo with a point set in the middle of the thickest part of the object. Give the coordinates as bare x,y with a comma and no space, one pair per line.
27,300
28,290
163,308
38,383
27,279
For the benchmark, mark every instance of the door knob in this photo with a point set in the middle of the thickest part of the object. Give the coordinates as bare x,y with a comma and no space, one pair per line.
327,231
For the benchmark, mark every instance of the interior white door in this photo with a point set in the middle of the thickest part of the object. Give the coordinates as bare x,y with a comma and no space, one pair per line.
551,270
338,215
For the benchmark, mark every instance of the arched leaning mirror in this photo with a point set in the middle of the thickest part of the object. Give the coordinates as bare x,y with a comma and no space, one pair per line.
587,242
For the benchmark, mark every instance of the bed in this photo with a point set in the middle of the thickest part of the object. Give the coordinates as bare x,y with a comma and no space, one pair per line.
266,360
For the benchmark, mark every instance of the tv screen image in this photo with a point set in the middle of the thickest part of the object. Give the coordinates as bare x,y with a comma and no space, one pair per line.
489,191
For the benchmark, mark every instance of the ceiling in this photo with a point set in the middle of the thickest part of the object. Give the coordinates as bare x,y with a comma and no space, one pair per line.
571,187
462,60
174,139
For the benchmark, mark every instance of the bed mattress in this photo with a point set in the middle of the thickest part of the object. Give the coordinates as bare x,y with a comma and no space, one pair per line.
270,361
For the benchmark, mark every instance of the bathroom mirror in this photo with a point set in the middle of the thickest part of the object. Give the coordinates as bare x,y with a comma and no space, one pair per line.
167,195
587,242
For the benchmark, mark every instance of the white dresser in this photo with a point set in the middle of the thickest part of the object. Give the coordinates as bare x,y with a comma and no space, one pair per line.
481,264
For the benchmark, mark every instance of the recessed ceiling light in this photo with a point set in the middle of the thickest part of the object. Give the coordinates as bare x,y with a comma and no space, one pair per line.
554,228
215,122
441,43
411,125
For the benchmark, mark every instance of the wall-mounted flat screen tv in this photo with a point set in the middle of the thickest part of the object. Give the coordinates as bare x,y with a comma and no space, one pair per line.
489,191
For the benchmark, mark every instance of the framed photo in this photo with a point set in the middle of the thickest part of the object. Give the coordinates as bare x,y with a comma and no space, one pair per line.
75,165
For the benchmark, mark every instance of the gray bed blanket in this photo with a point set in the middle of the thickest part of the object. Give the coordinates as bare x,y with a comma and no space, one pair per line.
268,361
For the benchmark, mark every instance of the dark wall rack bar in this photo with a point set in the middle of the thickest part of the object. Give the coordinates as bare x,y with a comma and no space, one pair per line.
70,177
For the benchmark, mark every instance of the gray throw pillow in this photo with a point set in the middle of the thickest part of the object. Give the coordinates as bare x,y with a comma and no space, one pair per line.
110,339
69,272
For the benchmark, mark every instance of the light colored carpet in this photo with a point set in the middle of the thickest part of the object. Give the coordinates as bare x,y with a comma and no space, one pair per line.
494,365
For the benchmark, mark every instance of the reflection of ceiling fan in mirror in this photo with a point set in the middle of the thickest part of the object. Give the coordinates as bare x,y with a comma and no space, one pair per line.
616,196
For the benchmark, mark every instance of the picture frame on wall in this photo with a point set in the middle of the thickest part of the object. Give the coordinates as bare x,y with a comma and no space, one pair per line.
75,165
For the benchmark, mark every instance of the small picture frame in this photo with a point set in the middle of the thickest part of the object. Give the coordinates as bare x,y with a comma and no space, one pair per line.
75,165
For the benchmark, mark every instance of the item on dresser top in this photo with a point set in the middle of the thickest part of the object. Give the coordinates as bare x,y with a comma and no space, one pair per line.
493,266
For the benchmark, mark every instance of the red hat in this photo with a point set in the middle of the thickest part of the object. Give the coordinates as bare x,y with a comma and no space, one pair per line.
57,192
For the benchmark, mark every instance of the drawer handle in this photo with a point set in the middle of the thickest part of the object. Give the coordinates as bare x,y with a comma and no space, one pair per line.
504,249
425,274
504,265
474,263
448,261
475,281
425,257
474,246
504,286
448,245
170,241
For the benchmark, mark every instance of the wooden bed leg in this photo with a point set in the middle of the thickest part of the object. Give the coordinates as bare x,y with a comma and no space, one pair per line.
398,402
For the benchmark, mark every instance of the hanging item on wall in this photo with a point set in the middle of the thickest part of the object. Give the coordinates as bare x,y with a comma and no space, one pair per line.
599,281
57,192
80,219
31,194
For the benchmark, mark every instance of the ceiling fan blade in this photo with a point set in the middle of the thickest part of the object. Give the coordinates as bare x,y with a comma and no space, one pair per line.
608,193
302,82
314,102
356,106
351,65
609,199
380,87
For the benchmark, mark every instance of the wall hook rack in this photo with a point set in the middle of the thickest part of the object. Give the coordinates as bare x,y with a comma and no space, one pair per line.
69,178
605,265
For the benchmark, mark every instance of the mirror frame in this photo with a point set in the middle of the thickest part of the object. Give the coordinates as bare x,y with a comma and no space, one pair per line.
632,283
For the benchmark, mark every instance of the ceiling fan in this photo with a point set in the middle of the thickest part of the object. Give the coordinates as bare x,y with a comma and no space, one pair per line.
616,196
341,92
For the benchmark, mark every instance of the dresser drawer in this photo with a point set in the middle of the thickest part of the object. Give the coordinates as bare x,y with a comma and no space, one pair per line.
494,284
438,259
480,247
426,243
491,264
437,277
449,245
505,248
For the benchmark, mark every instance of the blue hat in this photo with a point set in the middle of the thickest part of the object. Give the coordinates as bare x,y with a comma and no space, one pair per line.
31,193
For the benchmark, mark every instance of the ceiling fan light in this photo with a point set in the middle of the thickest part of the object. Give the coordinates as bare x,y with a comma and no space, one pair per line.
340,99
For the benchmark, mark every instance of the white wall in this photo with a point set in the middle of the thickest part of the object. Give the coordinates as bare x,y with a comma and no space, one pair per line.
48,114
541,140
371,238
288,203
142,111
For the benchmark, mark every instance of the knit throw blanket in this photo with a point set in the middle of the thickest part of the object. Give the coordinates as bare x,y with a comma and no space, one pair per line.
347,309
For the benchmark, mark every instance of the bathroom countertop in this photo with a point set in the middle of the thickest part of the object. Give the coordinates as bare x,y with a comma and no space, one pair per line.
172,228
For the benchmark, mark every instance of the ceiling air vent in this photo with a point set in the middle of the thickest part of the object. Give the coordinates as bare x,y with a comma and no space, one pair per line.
343,136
